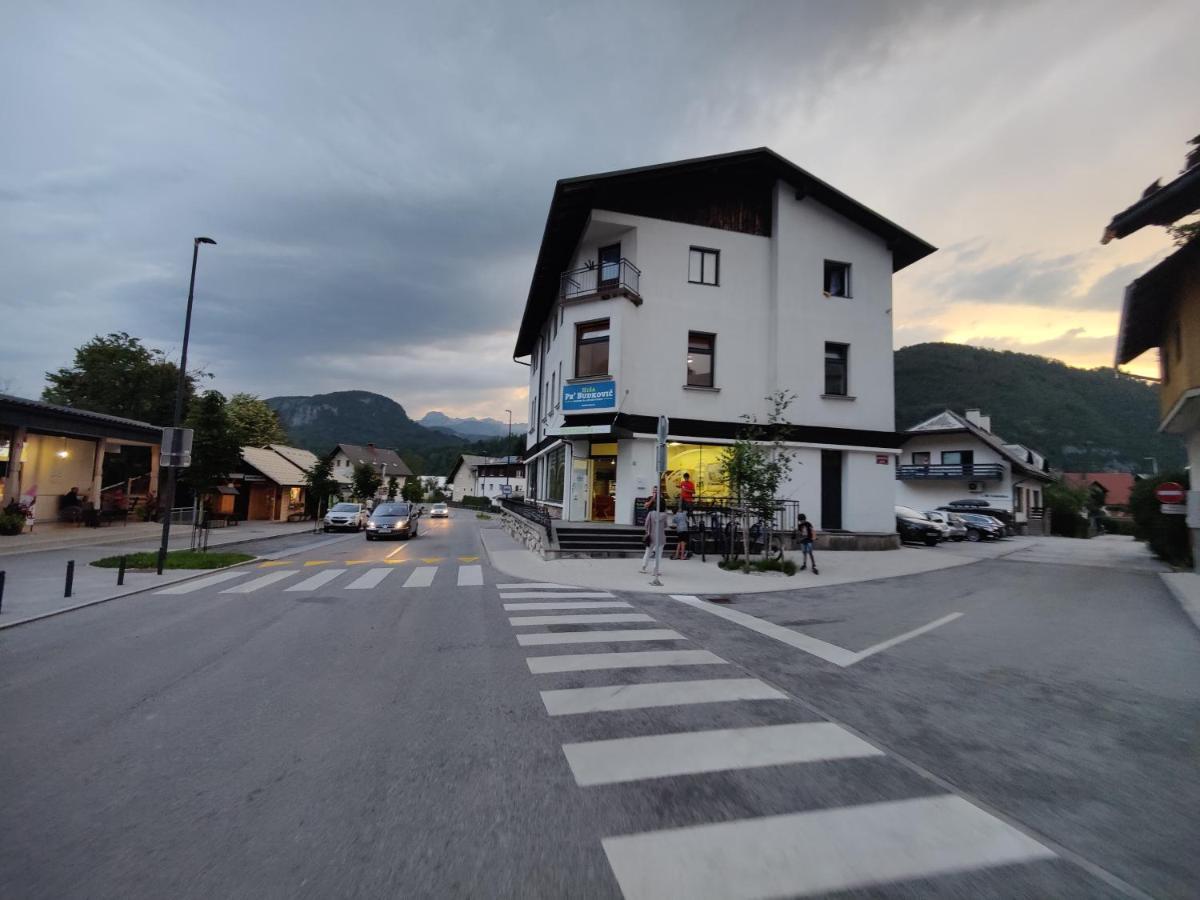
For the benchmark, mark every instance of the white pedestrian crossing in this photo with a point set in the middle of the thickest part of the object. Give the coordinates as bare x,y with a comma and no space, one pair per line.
595,619
369,579
824,851
249,587
557,595
696,752
614,636
573,701
470,576
201,583
315,581
578,604
638,659
531,585
421,577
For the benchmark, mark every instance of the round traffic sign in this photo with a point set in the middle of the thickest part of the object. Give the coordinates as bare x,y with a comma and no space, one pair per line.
1169,492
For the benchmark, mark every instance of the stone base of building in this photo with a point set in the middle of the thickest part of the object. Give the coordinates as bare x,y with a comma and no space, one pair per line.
858,540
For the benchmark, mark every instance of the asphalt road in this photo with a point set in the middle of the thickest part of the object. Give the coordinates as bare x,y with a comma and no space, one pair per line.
369,720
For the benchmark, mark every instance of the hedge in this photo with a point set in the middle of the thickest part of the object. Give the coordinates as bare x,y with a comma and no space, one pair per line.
1168,536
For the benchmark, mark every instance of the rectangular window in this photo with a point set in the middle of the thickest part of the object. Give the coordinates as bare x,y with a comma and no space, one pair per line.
704,265
700,354
553,328
837,365
958,457
554,474
920,458
591,349
553,390
837,279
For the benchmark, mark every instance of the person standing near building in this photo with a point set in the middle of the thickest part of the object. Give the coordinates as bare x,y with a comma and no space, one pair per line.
682,529
807,536
656,537
687,492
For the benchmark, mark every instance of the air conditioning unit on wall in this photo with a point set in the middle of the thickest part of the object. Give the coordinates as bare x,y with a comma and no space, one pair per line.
975,487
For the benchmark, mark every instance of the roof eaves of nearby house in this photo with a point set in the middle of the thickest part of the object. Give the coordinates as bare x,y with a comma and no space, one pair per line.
67,419
469,460
376,456
273,467
575,197
992,440
1167,204
1150,299
297,456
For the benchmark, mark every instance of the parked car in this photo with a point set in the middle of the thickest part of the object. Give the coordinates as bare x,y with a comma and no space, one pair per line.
914,526
979,526
953,528
439,511
983,508
393,520
346,517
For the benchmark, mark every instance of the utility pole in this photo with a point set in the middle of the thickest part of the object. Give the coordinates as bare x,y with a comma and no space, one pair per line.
177,418
508,455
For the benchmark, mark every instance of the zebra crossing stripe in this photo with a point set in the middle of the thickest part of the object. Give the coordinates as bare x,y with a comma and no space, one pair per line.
421,577
315,581
368,579
202,583
695,752
530,585
248,587
582,604
549,595
638,659
594,619
818,852
665,693
470,576
599,637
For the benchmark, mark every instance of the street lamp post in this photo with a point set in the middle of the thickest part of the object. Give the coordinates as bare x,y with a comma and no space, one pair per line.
177,419
508,454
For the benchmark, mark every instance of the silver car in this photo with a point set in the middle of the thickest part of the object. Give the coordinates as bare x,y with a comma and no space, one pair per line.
953,528
392,520
346,517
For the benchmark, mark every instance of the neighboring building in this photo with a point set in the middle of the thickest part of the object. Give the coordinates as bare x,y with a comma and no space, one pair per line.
1162,310
269,487
695,289
46,450
1112,488
486,476
386,462
951,457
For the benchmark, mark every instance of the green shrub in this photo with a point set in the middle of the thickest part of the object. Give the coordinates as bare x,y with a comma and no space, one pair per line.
1167,536
1067,504
12,523
176,559
482,515
733,564
1117,526
474,502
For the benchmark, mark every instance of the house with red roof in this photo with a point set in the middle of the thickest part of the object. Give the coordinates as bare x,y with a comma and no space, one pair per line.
1114,486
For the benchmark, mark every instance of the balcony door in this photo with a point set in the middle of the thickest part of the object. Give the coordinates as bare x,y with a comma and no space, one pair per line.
610,265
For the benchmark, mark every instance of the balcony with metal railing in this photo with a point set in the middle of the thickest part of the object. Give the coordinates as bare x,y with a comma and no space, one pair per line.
620,278
945,472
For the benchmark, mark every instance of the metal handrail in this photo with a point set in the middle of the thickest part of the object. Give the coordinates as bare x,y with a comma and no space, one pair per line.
529,511
958,471
586,281
720,512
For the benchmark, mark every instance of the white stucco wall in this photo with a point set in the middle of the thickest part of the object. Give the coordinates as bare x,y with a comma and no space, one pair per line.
929,494
53,475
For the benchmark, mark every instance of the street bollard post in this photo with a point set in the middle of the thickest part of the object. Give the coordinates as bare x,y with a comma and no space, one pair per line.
70,578
1,590
162,556
121,572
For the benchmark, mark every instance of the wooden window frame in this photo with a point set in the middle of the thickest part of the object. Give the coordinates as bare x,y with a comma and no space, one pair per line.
580,330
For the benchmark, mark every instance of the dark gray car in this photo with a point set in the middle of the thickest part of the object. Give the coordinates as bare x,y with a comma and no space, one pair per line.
393,520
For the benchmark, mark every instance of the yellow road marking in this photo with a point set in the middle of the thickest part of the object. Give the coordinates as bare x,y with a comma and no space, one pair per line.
359,562
318,562
432,559
276,562
468,558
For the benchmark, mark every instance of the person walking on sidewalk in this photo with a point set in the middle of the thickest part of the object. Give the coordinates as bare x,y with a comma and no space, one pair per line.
656,537
682,528
807,536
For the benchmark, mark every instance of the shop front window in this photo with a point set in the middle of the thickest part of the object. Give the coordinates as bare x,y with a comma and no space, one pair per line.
701,463
556,460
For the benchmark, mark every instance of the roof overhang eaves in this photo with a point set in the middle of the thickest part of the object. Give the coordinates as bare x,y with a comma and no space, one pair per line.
1149,299
1168,204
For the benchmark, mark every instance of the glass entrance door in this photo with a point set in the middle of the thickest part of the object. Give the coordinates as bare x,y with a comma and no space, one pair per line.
604,488
581,479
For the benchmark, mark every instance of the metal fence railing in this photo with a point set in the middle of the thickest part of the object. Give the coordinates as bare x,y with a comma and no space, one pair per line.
529,511
622,275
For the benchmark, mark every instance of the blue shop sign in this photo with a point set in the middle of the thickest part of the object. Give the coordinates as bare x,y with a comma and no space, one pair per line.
592,395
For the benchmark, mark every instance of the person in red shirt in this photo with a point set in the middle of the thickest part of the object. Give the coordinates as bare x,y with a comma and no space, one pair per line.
687,491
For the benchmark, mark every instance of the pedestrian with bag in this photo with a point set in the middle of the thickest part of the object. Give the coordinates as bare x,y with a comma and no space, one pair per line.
682,530
807,536
655,538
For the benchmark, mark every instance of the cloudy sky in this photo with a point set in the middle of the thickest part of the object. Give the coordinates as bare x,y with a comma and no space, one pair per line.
377,174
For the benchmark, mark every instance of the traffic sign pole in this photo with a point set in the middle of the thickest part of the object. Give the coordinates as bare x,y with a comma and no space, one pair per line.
660,466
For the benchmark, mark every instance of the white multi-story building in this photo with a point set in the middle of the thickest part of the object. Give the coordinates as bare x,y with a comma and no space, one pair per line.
694,290
951,458
486,476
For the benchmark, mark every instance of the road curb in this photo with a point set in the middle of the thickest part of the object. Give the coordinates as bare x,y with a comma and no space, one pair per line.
1177,584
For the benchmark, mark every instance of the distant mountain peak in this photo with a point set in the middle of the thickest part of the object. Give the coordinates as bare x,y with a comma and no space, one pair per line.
470,427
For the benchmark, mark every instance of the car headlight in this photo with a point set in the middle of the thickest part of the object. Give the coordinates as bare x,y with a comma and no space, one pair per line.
371,526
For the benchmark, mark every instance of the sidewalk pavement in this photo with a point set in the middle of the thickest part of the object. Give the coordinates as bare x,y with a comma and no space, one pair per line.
147,534
1185,588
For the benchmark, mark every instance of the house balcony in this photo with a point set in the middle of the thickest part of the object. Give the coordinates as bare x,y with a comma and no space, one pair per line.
600,282
976,472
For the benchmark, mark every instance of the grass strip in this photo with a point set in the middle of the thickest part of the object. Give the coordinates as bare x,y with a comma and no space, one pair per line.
176,559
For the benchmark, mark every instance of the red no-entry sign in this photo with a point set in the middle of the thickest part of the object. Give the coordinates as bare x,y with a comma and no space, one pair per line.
1169,492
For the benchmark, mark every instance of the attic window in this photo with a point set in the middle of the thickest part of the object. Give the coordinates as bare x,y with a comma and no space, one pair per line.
837,279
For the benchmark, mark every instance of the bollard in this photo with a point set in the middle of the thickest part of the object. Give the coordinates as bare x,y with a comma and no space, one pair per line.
1,590
162,556
121,572
70,578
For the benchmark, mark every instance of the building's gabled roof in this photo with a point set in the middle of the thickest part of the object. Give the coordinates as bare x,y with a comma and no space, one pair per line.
1162,206
465,460
575,198
273,467
1117,485
377,456
297,456
950,422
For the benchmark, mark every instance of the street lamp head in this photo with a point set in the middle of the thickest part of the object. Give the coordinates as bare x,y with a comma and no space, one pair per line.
205,240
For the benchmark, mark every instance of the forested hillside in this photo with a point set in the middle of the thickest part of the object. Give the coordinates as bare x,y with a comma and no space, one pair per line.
1082,419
